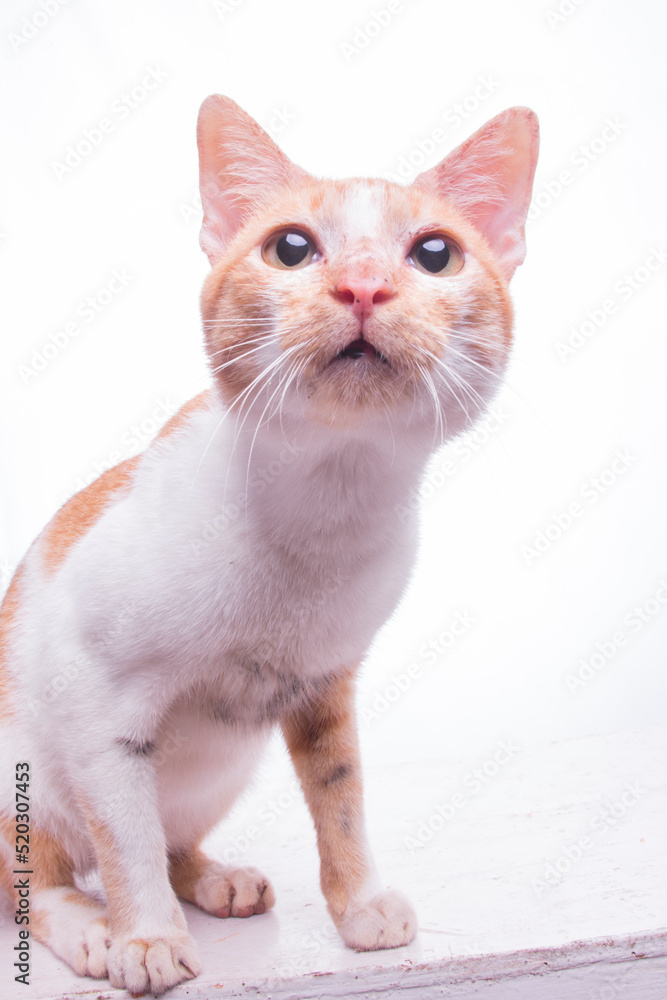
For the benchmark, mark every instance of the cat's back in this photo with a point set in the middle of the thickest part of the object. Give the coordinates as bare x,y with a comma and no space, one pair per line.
80,541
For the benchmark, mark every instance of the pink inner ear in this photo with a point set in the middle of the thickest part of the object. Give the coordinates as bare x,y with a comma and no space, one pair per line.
490,179
239,166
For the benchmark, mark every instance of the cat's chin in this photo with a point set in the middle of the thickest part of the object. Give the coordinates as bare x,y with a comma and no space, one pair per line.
358,385
361,395
366,411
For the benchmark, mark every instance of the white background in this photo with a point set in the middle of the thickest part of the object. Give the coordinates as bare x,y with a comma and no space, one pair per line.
354,104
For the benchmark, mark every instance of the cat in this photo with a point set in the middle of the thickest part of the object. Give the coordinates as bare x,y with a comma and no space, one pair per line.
232,577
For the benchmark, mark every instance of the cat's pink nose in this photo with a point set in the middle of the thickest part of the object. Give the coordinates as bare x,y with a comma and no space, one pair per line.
362,294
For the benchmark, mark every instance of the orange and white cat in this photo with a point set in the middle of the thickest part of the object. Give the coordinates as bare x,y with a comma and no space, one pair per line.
352,326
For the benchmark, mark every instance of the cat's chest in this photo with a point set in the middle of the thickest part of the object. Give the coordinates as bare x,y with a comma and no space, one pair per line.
252,692
298,582
270,626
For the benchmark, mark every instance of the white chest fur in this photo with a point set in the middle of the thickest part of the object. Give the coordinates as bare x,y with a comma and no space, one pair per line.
245,577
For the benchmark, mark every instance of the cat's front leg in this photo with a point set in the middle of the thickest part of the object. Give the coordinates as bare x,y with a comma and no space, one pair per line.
150,948
322,741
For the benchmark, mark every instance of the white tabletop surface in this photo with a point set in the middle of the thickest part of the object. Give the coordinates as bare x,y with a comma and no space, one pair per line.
553,859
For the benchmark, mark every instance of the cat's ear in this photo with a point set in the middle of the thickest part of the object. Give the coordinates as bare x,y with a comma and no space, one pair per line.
489,178
239,166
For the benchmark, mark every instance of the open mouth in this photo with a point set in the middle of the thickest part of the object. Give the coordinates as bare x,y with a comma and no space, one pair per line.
360,349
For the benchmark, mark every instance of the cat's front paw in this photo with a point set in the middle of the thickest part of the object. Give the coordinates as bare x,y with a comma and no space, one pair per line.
385,921
154,964
234,892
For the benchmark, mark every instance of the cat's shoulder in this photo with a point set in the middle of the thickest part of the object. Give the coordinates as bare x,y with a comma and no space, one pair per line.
82,510
203,401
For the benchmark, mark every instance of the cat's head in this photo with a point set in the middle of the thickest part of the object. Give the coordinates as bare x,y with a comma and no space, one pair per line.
357,301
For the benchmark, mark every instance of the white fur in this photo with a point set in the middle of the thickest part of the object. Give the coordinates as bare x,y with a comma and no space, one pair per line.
152,619
248,563
361,215
164,603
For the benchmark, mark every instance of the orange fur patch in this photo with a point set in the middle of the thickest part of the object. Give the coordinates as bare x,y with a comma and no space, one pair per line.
49,860
80,899
185,871
180,418
8,610
8,834
82,511
116,886
322,741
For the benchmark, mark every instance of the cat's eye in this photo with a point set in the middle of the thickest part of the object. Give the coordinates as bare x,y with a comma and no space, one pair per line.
288,249
437,254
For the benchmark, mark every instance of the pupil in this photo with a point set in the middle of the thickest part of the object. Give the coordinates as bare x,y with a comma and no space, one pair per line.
291,249
433,255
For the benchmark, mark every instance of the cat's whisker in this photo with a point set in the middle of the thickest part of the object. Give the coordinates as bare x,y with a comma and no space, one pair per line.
273,368
294,374
428,382
414,401
463,341
440,367
266,373
508,384
268,338
263,341
236,408
282,380
512,355
234,405
391,431
475,397
240,357
253,350
236,320
239,399
283,386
